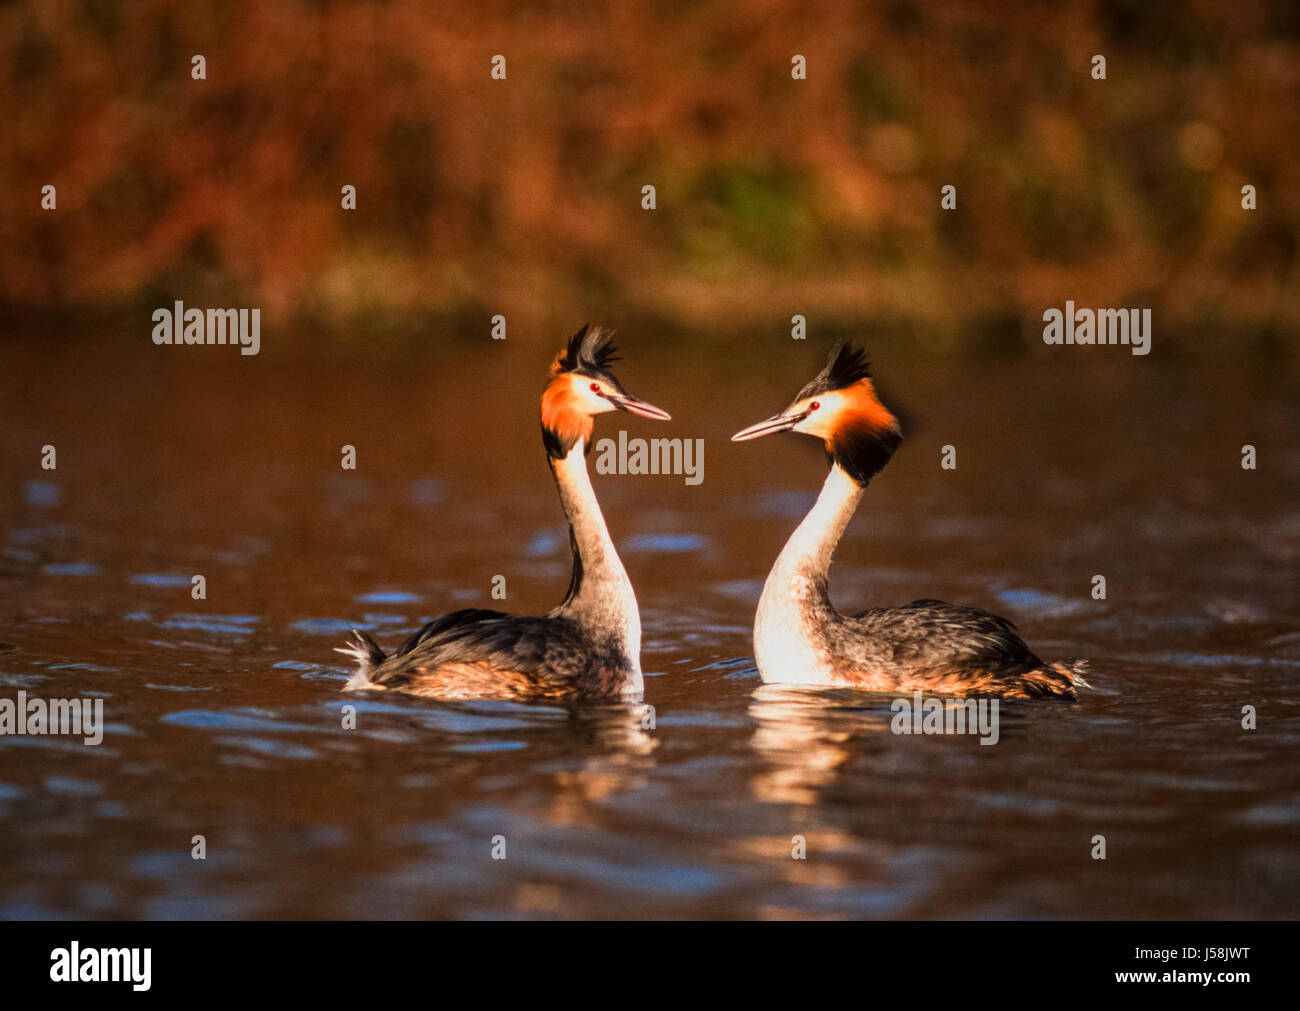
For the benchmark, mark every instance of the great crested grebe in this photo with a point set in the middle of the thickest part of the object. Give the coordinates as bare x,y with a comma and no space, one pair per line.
589,646
927,645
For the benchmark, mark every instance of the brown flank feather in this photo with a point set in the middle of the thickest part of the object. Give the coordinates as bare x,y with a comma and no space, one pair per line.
481,680
1052,680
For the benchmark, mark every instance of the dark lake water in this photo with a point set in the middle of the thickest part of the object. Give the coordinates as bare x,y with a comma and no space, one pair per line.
224,714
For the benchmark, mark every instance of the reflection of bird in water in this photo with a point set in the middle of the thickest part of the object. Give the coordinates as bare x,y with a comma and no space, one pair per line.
589,646
928,645
624,743
622,728
806,740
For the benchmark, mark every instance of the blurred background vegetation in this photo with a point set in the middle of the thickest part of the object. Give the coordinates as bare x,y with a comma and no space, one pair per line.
775,196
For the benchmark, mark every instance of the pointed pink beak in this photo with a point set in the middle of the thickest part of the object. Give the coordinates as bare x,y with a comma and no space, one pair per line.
774,424
647,410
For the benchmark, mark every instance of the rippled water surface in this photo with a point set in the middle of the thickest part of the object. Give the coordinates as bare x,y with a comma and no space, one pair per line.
224,714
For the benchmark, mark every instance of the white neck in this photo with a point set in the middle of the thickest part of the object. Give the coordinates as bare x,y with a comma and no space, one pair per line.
603,601
794,607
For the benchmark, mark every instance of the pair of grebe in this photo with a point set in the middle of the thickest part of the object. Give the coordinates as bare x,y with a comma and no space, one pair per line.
590,646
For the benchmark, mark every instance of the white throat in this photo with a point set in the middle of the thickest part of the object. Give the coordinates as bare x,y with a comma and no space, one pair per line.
789,645
604,604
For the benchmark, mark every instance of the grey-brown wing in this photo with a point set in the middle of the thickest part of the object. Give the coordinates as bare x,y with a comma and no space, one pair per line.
545,649
935,635
447,624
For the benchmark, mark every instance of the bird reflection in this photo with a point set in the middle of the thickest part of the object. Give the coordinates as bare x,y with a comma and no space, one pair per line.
807,735
624,742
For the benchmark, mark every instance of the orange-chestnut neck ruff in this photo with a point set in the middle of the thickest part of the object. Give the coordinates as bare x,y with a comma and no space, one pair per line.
863,434
564,418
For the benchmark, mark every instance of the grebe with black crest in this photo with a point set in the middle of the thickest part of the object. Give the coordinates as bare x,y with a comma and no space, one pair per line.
927,645
587,647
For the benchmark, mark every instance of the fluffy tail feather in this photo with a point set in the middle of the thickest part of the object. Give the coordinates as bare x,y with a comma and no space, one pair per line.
366,652
1061,679
1076,669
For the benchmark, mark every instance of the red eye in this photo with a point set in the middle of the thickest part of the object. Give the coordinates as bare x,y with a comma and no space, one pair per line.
813,406
595,387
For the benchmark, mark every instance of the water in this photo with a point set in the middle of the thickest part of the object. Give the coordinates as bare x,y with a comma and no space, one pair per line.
224,714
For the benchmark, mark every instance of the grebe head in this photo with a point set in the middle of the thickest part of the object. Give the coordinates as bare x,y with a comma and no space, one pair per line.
840,407
580,386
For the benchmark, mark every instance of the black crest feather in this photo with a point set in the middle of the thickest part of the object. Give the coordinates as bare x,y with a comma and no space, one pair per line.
589,350
845,365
